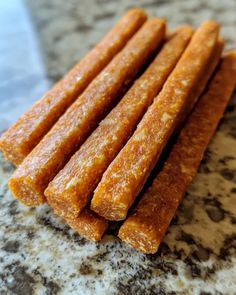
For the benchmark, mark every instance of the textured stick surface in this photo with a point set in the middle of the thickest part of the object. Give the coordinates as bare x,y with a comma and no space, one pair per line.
89,225
70,190
197,254
126,175
24,135
199,88
51,154
147,225
207,74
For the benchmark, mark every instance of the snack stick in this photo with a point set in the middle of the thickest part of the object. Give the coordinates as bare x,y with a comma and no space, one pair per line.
126,175
208,72
201,85
70,131
89,225
18,141
145,228
70,190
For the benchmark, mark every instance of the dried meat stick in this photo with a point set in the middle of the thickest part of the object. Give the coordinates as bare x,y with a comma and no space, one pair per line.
53,151
200,86
71,189
208,72
145,228
89,225
126,175
24,135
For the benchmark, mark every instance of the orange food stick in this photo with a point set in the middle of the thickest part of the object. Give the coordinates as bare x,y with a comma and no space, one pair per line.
145,228
51,154
24,135
71,189
89,225
208,72
126,175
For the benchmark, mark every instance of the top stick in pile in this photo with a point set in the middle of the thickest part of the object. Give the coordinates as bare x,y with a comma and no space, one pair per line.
22,137
125,177
208,72
53,151
146,226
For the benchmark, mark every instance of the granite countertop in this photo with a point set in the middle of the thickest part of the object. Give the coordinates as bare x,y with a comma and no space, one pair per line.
39,253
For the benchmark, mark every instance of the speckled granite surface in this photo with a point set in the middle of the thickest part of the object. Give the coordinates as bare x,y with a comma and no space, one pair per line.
39,254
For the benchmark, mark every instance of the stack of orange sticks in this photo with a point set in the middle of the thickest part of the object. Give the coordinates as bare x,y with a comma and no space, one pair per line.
89,145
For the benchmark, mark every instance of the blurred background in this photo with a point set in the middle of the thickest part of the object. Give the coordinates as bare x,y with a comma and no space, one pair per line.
41,40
